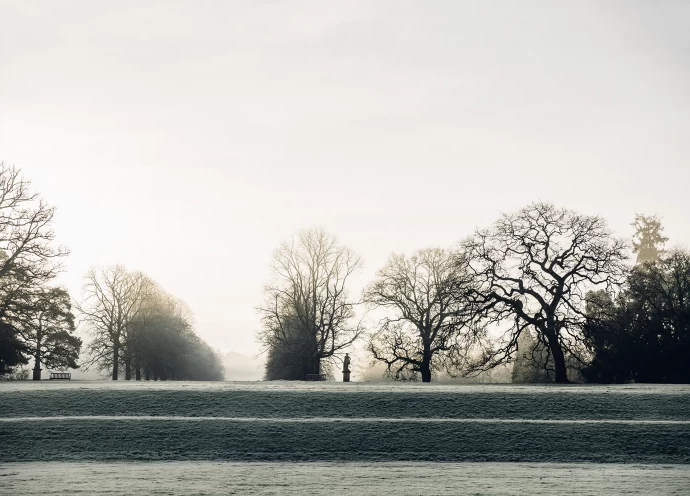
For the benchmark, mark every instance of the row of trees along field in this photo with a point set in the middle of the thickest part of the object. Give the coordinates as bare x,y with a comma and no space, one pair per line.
132,324
139,329
549,290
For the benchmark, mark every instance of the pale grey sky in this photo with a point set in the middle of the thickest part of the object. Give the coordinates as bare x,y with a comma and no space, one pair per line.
188,139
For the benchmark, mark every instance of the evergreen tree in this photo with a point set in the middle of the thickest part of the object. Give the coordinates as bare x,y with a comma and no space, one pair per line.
648,241
47,329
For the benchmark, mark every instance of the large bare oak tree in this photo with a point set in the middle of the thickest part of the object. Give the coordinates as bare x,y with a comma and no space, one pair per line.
534,269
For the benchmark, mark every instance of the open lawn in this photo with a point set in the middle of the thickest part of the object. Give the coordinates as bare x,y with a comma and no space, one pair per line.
627,436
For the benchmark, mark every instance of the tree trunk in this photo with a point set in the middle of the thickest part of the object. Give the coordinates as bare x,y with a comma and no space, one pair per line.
558,359
425,367
425,370
137,368
37,361
128,367
116,360
147,373
315,366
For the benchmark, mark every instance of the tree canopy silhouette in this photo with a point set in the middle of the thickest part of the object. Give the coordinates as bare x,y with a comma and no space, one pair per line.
35,319
427,295
47,328
533,270
308,315
113,296
138,327
643,335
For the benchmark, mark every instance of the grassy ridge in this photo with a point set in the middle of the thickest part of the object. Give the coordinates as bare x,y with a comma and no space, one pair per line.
322,441
331,440
387,404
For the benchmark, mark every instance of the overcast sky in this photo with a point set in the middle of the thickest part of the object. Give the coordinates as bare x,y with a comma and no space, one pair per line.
188,139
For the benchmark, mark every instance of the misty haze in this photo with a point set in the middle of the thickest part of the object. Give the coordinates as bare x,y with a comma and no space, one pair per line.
329,247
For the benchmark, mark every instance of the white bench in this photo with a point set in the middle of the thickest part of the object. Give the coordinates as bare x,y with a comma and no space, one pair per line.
61,375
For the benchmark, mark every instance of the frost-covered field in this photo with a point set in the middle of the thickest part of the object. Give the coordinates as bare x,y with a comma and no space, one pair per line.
381,479
178,438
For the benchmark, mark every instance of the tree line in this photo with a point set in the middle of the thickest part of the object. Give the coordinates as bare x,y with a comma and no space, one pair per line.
134,326
546,289
140,331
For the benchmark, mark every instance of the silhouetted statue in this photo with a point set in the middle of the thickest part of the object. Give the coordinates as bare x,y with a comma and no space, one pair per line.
346,368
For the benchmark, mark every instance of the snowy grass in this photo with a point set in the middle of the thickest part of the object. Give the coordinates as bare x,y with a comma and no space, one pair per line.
381,479
341,422
299,400
209,439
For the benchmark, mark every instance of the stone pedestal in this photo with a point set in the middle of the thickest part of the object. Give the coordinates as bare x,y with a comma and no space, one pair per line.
346,376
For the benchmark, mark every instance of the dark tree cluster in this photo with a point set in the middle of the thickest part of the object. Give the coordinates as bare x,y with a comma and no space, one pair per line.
291,355
141,331
643,334
36,320
166,348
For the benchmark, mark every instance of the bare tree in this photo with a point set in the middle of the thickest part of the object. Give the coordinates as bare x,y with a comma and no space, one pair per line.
429,329
112,299
26,236
307,313
28,258
534,269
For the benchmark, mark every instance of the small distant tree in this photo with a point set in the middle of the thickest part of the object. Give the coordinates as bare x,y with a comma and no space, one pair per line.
648,241
308,316
533,270
428,327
